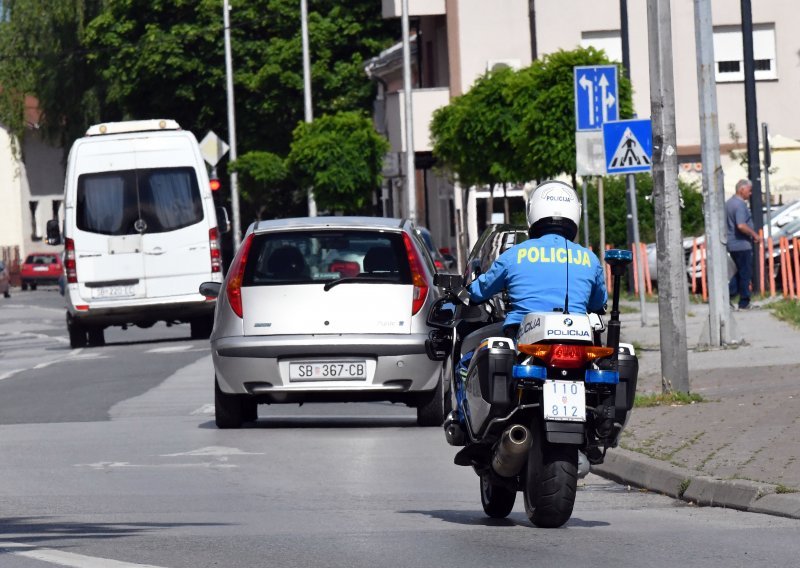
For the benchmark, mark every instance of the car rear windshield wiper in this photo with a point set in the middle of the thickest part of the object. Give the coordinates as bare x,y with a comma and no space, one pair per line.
350,279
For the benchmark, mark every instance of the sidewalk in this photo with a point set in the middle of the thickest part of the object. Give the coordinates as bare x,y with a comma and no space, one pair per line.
741,447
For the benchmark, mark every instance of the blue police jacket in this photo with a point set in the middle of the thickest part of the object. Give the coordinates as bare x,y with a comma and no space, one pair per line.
535,273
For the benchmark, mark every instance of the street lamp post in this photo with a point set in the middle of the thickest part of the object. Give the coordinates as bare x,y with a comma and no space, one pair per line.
309,113
237,225
411,186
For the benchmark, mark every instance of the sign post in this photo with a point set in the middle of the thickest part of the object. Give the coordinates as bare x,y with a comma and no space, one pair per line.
629,149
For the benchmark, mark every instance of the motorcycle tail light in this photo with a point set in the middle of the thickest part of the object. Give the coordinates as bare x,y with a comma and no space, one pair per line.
567,356
597,352
236,277
534,350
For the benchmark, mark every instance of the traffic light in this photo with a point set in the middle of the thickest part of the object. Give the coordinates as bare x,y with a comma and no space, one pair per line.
215,184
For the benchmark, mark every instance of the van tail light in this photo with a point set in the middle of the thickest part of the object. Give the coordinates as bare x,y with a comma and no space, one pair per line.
417,276
70,266
236,276
213,244
565,356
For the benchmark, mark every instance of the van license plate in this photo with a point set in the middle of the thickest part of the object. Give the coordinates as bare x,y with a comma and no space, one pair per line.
328,371
564,401
114,292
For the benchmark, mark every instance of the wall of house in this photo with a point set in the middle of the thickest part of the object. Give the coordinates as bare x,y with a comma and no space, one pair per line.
564,24
10,194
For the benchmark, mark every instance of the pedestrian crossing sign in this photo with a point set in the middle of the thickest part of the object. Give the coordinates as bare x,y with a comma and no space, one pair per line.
628,145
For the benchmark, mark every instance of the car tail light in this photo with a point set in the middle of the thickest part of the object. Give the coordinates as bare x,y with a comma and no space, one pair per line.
565,356
70,265
213,244
345,267
236,276
438,264
417,276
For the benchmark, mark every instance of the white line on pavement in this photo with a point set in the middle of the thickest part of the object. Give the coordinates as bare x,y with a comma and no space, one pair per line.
170,349
70,559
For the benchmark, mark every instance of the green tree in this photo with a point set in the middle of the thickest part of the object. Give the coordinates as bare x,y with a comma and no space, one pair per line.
341,157
544,102
616,213
265,186
41,54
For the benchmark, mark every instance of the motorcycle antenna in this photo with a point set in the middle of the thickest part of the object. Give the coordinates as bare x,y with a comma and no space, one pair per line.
566,294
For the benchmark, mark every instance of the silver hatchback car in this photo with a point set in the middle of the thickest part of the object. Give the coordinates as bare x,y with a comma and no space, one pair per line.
326,309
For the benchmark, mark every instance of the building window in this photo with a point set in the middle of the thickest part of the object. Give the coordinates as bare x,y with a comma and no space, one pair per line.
35,234
608,41
729,53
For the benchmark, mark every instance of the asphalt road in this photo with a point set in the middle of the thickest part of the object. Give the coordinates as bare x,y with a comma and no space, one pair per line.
109,458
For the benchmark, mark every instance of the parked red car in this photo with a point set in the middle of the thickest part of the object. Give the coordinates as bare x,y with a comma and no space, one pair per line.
41,268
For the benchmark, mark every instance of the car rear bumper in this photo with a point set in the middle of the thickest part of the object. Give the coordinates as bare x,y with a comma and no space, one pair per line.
143,311
398,367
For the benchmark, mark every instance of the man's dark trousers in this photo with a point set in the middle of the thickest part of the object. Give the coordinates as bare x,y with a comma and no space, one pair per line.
740,283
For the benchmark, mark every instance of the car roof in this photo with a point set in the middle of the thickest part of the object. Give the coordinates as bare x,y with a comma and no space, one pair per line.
326,222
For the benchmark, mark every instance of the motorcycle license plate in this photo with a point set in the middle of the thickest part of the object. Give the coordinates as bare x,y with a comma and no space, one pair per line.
564,401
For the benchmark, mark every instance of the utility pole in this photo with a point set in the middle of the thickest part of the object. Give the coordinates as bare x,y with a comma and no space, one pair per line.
411,172
719,329
632,225
751,113
309,113
666,198
237,223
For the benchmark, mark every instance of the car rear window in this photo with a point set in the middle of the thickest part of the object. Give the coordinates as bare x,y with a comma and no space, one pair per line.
127,202
40,259
307,257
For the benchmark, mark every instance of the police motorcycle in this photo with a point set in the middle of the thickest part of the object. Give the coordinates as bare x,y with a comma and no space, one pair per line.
526,412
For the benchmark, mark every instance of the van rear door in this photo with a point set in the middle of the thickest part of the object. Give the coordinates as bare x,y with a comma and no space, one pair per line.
107,244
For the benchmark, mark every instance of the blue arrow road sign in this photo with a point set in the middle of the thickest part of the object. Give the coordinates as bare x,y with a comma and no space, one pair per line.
596,97
628,145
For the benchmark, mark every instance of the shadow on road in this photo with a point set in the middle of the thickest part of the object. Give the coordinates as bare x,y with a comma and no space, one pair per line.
303,422
471,518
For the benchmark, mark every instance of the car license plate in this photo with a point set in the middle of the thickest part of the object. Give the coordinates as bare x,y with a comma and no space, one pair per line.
564,401
114,292
40,269
328,371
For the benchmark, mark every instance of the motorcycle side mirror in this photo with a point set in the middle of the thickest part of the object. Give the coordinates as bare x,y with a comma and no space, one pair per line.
53,232
223,221
442,314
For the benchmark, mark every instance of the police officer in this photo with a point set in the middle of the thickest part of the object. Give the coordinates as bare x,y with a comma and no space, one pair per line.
548,271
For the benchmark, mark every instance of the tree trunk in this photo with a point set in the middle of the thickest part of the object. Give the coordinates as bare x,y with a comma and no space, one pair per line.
506,205
490,205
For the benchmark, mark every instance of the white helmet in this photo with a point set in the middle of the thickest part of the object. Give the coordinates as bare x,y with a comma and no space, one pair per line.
554,207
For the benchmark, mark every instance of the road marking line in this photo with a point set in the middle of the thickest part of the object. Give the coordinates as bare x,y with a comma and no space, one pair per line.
171,349
69,559
214,451
206,409
9,374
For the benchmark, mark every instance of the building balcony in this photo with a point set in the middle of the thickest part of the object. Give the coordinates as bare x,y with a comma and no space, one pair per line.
424,103
393,8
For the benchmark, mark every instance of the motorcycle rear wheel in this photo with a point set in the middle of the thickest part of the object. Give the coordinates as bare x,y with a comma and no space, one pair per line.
497,501
550,481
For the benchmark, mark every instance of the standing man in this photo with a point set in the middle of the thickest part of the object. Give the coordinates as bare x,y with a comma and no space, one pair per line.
741,237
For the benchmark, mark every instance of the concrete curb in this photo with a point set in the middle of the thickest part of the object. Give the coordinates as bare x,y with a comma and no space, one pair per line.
624,466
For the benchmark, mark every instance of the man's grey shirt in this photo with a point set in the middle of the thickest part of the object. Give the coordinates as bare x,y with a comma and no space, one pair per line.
737,212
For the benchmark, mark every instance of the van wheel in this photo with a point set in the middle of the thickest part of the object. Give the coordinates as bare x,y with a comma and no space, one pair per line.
77,334
229,409
201,327
97,337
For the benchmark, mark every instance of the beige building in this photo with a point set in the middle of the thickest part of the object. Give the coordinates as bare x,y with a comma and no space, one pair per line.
456,41
31,189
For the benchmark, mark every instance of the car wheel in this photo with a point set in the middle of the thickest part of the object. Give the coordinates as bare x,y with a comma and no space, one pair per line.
77,333
201,327
24,285
33,285
97,337
6,294
229,409
433,410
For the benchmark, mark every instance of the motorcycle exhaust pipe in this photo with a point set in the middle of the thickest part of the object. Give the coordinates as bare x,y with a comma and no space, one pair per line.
511,451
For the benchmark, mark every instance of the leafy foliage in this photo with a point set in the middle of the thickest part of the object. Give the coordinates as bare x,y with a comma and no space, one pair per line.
41,54
266,187
616,212
341,157
544,102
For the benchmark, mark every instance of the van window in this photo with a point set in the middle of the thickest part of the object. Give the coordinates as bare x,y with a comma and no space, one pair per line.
164,199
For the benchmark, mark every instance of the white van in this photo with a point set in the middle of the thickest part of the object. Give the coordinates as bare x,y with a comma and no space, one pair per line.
140,230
